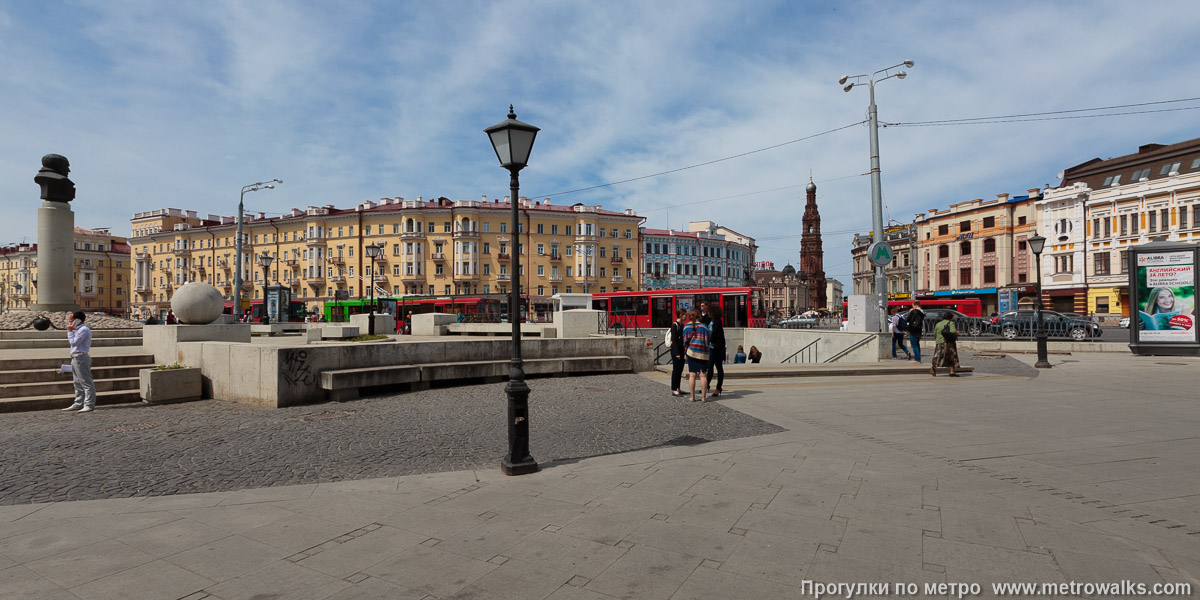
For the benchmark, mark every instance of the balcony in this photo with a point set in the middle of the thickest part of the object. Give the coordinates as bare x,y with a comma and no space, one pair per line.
337,279
466,234
201,269
182,251
439,256
618,279
466,276
584,239
555,257
141,288
412,235
411,277
616,260
555,278
316,280
314,241
503,256
503,277
141,256
292,262
335,260
380,278
223,262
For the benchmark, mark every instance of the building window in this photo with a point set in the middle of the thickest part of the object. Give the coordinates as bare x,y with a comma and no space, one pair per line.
1124,224
1021,220
989,274
1124,261
1107,226
1152,222
1103,264
944,278
1102,304
989,222
964,276
964,249
989,245
943,229
1166,222
1139,175
1021,245
964,226
1183,217
944,251
1169,168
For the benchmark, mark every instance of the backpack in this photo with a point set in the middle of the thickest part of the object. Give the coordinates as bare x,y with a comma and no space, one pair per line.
902,324
916,326
670,339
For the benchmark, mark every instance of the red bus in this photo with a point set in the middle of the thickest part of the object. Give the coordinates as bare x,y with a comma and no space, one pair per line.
740,306
971,307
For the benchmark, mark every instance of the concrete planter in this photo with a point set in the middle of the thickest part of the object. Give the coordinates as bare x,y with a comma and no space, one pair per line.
170,385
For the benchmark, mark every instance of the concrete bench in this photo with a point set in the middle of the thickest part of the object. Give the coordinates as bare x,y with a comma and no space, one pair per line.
501,329
338,332
344,384
276,328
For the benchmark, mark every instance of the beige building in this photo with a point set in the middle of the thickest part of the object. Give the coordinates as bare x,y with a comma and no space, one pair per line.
785,292
101,273
977,249
898,272
436,247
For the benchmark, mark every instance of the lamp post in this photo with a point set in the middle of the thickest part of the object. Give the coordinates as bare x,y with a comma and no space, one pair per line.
372,251
237,243
876,190
1037,243
512,140
265,259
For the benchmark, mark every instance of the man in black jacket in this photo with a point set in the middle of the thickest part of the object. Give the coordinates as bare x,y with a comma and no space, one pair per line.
677,360
717,337
916,327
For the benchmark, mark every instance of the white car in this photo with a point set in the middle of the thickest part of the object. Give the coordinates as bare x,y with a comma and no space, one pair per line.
1124,322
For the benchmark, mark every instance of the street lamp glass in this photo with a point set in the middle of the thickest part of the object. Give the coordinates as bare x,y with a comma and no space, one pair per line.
372,250
265,259
909,63
512,140
1037,243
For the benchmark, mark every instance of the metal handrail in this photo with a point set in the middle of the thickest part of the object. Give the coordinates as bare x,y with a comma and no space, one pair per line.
794,354
852,348
658,355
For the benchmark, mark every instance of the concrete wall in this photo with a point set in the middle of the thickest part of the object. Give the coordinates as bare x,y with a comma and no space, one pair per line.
431,323
162,340
576,323
284,376
778,344
385,324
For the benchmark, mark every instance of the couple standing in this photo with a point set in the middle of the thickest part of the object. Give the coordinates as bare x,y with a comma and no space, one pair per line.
910,324
697,338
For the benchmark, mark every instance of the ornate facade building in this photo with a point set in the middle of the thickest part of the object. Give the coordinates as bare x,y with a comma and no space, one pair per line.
430,247
812,257
708,255
786,293
101,273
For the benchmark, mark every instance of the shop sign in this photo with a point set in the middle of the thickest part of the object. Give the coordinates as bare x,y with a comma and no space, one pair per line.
977,292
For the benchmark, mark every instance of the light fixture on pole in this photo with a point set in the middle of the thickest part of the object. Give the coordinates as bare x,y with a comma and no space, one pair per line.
512,140
876,189
1037,243
265,259
372,252
237,244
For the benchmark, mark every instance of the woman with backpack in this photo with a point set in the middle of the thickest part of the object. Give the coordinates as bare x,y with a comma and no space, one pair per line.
698,349
945,353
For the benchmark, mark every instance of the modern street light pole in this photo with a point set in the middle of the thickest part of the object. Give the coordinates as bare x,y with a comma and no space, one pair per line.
372,251
265,259
512,140
1037,243
876,188
237,244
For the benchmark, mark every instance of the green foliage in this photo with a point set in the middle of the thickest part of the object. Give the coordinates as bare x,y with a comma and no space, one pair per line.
368,338
170,366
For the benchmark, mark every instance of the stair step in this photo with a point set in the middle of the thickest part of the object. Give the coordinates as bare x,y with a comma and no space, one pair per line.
51,402
54,374
33,334
62,343
19,364
65,386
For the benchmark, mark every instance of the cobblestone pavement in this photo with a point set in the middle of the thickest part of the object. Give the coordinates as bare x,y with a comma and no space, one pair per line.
22,319
212,445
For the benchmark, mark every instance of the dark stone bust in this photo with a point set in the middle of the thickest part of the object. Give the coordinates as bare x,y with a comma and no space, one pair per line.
56,187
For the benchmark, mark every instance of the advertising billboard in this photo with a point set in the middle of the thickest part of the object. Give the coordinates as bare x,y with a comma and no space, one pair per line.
1165,296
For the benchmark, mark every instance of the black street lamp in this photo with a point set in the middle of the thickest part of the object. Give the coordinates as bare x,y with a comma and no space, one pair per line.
512,140
372,252
265,260
1037,243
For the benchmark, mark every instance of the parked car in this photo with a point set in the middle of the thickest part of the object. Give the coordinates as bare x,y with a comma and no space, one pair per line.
800,322
968,326
1012,325
1124,322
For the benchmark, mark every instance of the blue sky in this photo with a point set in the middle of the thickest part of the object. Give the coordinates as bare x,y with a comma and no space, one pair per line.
181,104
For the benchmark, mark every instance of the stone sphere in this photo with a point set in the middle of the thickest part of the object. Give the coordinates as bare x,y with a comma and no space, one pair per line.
197,303
41,323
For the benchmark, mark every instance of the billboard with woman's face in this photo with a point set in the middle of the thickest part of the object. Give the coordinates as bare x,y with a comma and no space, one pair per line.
1166,296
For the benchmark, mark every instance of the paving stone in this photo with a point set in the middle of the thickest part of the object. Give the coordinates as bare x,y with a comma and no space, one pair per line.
567,554
89,563
775,558
279,580
226,558
430,570
157,579
645,573
685,539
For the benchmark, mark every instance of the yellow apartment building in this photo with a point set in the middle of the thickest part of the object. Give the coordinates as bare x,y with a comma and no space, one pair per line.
437,247
101,273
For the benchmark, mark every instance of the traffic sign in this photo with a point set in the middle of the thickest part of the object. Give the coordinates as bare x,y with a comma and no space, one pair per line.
880,253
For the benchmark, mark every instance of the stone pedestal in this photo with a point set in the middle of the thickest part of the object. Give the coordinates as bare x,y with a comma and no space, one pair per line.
577,323
56,258
862,313
163,340
385,324
432,323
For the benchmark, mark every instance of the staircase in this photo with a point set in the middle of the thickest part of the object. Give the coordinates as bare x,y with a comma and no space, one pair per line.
37,384
32,339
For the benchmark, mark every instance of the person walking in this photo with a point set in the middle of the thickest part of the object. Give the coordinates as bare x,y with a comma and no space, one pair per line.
79,335
899,323
916,326
698,349
675,342
716,361
945,352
